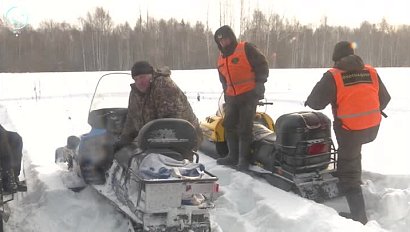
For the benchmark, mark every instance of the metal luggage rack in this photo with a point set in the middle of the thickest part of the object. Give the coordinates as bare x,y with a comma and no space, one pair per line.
207,178
302,162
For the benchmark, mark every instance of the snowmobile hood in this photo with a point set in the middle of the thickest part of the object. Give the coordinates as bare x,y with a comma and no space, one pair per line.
350,63
226,32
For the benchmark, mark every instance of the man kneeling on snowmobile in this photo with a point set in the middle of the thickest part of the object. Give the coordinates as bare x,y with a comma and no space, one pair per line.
154,95
11,146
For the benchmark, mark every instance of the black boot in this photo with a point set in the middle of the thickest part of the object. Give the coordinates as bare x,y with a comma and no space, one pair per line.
9,183
233,147
244,152
356,204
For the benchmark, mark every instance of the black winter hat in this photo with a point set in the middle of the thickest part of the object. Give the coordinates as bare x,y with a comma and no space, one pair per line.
224,32
342,49
141,67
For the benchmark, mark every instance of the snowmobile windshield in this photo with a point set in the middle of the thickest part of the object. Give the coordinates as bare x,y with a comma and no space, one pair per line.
112,91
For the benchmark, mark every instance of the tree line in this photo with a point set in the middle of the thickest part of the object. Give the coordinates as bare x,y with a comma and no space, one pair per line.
97,45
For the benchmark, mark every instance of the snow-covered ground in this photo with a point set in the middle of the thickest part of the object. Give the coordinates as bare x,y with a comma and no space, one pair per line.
247,204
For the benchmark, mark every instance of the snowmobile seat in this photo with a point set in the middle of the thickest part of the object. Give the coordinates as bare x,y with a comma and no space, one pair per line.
167,152
263,146
172,134
261,132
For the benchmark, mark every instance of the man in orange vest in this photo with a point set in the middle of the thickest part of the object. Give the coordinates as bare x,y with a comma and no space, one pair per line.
357,96
243,71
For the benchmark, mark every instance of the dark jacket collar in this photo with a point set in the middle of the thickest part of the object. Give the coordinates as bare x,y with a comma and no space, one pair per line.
350,63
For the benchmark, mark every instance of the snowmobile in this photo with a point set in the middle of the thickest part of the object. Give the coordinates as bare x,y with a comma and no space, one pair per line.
149,180
294,154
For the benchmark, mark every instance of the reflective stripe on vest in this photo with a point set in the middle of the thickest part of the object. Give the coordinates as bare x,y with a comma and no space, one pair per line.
357,99
237,71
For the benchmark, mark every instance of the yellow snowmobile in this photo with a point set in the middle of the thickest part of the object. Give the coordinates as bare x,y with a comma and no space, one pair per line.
295,154
214,131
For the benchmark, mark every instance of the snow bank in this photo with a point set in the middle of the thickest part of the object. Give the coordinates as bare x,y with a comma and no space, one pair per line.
247,203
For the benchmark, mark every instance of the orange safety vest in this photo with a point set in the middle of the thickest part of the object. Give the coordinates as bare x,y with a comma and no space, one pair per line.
357,99
237,71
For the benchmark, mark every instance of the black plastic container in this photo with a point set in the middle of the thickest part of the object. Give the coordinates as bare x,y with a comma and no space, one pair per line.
304,141
293,128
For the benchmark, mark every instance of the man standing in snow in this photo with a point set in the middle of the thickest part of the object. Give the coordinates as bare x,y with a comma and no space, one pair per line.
154,95
243,71
357,96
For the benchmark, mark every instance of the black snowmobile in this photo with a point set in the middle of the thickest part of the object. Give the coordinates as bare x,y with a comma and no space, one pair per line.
295,154
149,180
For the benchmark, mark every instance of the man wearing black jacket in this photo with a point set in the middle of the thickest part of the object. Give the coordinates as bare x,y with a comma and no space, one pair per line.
243,71
357,96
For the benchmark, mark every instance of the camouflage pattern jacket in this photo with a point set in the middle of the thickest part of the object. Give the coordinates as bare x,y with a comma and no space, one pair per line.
164,99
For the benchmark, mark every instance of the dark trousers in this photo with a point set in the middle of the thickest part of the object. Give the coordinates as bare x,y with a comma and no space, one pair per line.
349,167
349,163
239,116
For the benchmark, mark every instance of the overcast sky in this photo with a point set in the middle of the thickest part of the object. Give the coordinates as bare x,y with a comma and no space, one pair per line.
348,12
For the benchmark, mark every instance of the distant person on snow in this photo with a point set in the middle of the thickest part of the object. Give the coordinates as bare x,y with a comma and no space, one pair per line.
11,152
243,71
357,96
67,153
154,95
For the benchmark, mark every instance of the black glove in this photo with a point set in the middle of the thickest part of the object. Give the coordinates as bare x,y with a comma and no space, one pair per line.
260,90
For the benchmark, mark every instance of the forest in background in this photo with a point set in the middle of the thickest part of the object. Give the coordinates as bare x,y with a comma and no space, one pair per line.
96,44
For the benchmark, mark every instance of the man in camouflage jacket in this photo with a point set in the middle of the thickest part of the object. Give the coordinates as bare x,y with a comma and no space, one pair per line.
155,95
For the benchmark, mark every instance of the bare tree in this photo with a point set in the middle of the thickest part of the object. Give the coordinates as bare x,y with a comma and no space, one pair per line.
99,28
98,45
